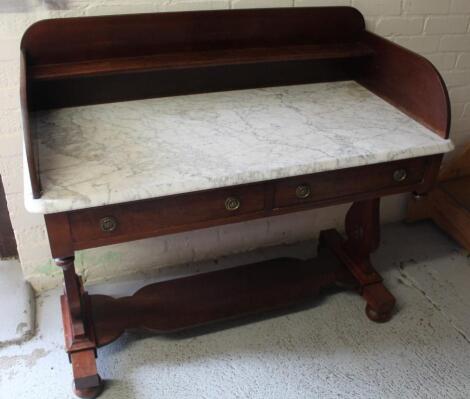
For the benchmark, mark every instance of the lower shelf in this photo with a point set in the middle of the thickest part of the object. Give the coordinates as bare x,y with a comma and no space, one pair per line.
221,295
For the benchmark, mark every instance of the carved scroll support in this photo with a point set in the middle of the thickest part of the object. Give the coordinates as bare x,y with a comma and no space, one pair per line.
363,238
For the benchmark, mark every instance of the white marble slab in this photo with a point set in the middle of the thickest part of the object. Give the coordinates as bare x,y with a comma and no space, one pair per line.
112,153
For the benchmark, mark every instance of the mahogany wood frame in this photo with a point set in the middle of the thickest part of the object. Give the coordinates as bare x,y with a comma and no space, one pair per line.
76,61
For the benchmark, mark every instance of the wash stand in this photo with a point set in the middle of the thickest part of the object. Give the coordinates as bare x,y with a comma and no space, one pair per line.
137,126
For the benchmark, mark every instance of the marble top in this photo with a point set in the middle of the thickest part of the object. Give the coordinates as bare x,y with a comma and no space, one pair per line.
113,153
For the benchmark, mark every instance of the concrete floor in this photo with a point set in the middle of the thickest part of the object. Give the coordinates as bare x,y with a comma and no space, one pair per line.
329,351
16,304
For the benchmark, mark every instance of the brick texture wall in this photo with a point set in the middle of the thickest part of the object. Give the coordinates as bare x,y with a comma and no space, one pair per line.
438,29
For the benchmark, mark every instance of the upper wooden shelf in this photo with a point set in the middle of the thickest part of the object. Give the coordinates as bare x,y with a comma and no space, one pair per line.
207,58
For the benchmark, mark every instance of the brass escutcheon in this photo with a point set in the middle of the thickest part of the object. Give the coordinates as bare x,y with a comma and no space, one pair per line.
303,191
232,204
108,224
400,175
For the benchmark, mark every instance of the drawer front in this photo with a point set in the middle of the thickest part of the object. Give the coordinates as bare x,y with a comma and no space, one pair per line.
346,182
165,214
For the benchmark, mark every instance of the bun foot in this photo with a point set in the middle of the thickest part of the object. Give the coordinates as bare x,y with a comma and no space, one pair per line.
380,302
90,392
376,316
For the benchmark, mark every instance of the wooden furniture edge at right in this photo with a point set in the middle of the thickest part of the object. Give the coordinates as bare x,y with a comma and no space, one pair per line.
443,210
448,203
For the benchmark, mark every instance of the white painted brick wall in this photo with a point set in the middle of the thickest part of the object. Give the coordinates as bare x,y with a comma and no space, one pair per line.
446,24
460,7
378,7
438,29
426,7
388,26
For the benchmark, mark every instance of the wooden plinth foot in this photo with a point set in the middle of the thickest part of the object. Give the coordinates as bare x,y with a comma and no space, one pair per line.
86,381
79,333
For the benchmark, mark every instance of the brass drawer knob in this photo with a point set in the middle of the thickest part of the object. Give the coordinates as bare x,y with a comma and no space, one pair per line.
232,204
303,191
108,224
400,175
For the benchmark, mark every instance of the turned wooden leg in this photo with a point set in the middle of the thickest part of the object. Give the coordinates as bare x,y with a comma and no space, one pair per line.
363,238
78,331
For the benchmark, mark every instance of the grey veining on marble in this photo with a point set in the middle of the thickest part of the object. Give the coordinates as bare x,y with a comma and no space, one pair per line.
112,153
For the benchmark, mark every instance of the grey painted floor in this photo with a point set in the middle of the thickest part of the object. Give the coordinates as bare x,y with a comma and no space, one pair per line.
329,351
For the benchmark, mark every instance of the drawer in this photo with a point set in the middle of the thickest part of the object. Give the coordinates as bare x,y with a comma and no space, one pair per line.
165,214
395,176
